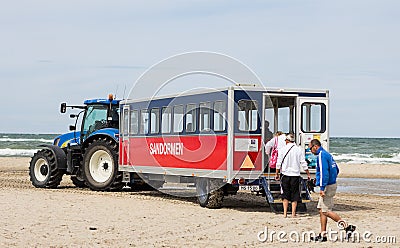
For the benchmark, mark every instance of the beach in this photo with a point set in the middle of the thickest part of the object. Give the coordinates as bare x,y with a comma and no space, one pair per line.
369,170
73,217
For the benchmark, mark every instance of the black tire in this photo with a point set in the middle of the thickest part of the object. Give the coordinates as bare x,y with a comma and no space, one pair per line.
43,171
210,193
78,181
100,165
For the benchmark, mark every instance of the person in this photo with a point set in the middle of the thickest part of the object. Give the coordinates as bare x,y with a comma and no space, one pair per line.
326,174
276,143
268,135
290,162
279,137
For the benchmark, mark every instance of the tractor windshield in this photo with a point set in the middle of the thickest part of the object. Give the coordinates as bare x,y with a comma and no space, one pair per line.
95,119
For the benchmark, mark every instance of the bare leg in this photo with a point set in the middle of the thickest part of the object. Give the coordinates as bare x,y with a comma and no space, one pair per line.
294,206
334,216
285,207
324,221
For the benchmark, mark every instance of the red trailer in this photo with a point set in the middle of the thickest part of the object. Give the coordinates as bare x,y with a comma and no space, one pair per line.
215,139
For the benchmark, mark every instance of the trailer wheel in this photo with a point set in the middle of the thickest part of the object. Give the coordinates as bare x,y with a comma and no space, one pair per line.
43,171
100,165
209,193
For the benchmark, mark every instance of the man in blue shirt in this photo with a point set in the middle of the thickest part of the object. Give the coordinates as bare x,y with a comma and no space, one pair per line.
326,174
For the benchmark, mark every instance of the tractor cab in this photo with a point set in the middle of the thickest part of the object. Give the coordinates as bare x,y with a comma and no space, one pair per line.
99,114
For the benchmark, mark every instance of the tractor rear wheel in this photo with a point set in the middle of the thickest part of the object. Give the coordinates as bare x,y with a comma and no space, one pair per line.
43,171
100,165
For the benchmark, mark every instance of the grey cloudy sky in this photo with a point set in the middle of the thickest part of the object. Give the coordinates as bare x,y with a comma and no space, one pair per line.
55,51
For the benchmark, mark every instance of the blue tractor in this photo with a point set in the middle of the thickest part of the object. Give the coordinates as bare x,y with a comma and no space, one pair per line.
88,155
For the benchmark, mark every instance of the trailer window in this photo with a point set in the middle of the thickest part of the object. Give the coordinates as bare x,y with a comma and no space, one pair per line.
219,116
313,117
155,120
166,120
247,115
284,120
134,122
191,118
270,120
205,113
178,118
144,121
125,123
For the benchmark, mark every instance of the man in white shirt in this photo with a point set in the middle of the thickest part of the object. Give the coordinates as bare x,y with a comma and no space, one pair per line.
290,161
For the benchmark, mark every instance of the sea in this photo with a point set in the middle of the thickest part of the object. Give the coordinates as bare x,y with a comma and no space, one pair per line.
344,149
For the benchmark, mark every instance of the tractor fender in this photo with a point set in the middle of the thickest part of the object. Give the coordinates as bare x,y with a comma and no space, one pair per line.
59,154
110,133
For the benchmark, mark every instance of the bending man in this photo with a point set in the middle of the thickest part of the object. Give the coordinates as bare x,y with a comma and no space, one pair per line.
326,174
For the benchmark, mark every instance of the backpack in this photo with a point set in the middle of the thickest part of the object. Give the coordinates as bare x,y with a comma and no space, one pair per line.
274,155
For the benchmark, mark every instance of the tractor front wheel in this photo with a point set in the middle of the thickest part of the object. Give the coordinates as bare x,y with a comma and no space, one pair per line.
43,171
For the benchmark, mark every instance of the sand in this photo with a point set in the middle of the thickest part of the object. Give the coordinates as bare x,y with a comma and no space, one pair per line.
370,170
72,217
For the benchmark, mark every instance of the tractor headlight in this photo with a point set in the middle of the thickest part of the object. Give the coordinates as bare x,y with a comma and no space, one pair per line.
56,141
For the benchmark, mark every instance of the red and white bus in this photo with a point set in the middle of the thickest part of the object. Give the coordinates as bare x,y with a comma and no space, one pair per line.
215,138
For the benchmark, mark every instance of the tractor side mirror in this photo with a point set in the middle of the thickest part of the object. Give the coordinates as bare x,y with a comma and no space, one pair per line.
63,107
72,128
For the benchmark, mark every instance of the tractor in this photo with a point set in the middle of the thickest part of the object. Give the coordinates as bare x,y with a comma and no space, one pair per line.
88,155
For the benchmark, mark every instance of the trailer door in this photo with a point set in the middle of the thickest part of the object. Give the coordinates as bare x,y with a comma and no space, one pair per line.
313,121
124,135
279,115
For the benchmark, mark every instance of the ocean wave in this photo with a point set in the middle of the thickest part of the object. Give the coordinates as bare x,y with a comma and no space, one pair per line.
17,152
357,158
25,140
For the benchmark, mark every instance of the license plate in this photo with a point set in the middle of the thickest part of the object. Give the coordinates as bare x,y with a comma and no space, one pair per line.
249,187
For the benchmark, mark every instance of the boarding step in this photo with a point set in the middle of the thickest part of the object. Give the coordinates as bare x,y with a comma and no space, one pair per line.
272,191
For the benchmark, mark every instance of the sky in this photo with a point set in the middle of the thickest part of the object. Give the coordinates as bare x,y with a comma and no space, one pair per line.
69,51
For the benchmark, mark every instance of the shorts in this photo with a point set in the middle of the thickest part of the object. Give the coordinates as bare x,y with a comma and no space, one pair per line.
326,203
291,188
